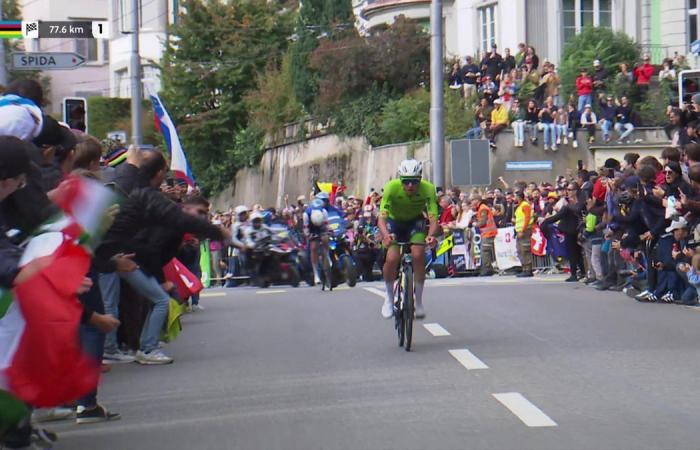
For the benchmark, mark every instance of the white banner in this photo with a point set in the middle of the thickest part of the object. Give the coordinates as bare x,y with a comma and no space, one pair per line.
506,249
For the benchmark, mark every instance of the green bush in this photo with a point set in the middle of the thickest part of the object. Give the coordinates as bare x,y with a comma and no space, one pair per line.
611,48
406,119
107,114
362,116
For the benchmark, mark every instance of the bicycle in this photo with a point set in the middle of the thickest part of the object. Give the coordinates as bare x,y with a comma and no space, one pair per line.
324,258
404,301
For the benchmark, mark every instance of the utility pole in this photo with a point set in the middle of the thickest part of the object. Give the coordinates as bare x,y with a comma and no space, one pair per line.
135,75
3,61
437,132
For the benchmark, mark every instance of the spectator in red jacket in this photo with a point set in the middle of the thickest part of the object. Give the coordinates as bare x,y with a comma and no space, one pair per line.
643,75
584,89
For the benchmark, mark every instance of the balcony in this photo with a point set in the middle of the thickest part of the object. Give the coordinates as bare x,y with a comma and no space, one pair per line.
384,11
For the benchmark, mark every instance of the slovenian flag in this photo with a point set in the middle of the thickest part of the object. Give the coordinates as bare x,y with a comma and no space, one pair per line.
41,362
178,160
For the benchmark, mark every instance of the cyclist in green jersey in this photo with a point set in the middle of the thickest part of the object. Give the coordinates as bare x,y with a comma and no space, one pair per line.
402,213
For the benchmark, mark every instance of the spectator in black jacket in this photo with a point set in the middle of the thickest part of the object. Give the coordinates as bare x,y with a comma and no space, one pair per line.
608,112
491,64
147,208
569,218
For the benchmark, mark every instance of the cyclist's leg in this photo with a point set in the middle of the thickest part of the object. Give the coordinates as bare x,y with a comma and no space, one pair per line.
418,254
313,247
323,244
391,266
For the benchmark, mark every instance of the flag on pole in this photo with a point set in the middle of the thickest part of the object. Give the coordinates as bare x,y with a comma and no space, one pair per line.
178,160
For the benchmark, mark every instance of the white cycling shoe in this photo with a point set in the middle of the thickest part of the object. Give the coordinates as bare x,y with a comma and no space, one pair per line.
387,310
420,312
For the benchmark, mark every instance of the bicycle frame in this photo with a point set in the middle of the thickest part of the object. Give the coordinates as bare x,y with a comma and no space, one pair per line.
403,311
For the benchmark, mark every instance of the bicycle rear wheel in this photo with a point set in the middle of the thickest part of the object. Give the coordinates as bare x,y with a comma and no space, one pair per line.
327,272
408,309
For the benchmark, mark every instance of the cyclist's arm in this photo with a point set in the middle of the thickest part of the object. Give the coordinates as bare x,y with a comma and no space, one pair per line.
432,210
384,208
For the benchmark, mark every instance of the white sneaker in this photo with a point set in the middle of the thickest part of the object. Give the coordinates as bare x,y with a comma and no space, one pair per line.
554,148
558,141
154,357
566,140
546,148
571,134
117,358
387,310
575,144
420,312
197,308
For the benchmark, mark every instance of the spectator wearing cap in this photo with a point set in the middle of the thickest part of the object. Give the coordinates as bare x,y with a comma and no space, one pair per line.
584,89
470,73
643,74
600,75
499,121
524,220
491,64
668,253
588,122
623,114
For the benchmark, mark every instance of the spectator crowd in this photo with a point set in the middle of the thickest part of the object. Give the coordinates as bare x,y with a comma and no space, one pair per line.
524,93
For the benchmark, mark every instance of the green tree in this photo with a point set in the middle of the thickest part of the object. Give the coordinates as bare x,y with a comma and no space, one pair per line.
273,104
213,58
611,48
332,19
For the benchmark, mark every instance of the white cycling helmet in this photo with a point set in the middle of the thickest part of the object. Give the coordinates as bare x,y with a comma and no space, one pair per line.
323,196
317,217
410,168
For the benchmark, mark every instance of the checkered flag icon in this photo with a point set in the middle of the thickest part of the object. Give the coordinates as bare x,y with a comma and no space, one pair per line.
32,26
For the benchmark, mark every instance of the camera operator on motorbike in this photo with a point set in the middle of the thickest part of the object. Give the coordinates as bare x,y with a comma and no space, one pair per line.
316,230
402,214
255,236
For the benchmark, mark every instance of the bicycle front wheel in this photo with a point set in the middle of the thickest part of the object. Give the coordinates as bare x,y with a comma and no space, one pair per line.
398,313
408,305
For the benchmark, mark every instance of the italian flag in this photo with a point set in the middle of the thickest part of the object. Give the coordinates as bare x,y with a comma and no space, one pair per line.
41,362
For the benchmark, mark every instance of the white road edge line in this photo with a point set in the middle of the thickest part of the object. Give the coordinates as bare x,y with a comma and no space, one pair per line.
524,410
436,329
375,291
270,291
467,359
212,294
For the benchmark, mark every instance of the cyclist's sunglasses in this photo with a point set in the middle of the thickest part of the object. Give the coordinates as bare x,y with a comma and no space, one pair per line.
410,181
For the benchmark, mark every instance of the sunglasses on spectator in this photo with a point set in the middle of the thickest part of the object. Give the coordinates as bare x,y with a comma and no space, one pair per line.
410,181
667,171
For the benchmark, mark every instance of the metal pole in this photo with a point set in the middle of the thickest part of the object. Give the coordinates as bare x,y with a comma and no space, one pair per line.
3,61
437,133
135,75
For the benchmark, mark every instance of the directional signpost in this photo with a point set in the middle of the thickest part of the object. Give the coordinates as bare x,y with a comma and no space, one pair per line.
47,61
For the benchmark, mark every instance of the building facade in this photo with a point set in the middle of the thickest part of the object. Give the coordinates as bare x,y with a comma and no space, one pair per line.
91,79
154,18
662,27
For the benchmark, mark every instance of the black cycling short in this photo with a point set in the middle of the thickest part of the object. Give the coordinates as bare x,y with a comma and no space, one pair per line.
407,230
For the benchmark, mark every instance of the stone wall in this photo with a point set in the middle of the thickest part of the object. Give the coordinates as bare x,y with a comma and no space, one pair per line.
292,169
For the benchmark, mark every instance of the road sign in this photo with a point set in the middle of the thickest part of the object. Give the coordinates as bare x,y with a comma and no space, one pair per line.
46,61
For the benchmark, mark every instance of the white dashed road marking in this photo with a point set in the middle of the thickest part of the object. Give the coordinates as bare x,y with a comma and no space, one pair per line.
467,359
528,413
212,294
436,329
375,291
270,291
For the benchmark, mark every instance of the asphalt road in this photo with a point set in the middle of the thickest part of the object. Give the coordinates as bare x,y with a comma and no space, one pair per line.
535,364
